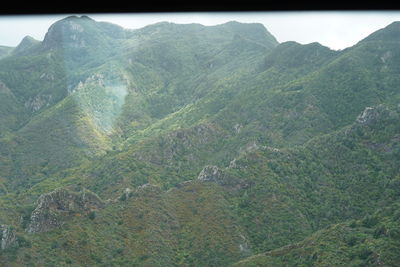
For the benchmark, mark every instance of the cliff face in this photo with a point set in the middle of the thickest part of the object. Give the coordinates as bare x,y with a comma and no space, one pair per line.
54,207
7,237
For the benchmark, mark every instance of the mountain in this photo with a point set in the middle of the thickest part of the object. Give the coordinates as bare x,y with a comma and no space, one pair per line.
192,145
25,45
5,50
64,102
370,241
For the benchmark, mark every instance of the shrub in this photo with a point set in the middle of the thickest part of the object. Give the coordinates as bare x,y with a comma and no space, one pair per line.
379,231
92,215
369,221
122,197
364,253
352,240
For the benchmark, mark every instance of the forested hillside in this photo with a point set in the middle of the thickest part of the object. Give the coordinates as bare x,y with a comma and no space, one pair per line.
192,145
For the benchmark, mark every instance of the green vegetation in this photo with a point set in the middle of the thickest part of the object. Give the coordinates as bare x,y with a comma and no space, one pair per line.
370,241
301,143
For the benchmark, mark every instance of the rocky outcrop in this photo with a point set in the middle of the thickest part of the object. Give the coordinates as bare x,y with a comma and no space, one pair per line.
213,174
244,246
67,31
7,237
251,147
37,102
373,114
4,89
53,208
147,189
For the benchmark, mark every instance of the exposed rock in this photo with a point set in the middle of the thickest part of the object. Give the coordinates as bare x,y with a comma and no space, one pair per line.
251,147
372,114
52,208
232,164
210,173
272,149
7,237
214,174
96,79
37,102
387,55
148,188
128,191
238,163
67,31
47,76
4,88
237,127
244,247
126,194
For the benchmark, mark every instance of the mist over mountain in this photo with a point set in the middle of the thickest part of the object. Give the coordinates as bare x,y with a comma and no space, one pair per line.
192,145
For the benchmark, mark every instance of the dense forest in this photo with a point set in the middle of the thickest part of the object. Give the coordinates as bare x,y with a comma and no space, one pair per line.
192,145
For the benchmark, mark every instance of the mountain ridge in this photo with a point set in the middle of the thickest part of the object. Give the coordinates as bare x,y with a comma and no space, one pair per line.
208,145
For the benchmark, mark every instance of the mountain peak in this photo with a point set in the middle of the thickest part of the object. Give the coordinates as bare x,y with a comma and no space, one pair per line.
68,30
80,32
76,19
252,31
388,33
26,43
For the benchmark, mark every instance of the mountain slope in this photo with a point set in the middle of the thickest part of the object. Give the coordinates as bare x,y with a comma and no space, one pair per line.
5,51
203,146
371,241
265,199
104,94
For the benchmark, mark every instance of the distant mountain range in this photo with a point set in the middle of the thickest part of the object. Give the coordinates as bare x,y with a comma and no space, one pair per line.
192,145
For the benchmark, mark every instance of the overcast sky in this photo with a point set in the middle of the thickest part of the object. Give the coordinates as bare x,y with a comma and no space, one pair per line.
336,30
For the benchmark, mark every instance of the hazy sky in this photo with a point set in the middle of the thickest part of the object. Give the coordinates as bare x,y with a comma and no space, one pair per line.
337,30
